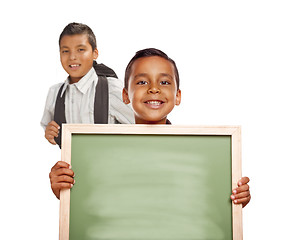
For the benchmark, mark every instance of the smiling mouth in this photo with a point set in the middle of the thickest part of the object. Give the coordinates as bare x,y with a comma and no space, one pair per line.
74,66
154,103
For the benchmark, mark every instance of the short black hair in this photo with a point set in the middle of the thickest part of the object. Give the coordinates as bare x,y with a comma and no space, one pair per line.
79,28
149,52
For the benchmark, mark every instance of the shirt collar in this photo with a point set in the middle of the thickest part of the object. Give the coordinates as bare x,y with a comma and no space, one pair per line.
84,83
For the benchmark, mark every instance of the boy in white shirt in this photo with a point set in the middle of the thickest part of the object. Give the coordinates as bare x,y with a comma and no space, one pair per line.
75,100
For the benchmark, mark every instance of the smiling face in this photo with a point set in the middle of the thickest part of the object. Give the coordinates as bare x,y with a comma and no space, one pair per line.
152,90
77,55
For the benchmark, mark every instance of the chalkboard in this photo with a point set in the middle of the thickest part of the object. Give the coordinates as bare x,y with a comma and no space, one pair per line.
151,182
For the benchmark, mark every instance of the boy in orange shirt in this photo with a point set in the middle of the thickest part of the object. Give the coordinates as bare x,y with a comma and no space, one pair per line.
152,87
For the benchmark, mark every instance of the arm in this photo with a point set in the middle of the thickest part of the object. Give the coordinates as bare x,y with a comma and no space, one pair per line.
241,194
61,176
51,128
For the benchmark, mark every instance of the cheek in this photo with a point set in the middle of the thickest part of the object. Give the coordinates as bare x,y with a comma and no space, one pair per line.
171,93
88,55
63,59
134,93
134,97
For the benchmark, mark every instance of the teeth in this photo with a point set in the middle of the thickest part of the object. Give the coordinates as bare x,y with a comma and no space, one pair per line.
74,65
154,102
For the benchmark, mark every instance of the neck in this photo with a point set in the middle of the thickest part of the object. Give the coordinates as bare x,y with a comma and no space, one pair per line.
142,121
74,80
77,79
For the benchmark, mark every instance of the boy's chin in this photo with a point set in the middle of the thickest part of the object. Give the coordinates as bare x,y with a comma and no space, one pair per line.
151,120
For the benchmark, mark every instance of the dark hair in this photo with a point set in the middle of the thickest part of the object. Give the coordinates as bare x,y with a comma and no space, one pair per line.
79,28
148,52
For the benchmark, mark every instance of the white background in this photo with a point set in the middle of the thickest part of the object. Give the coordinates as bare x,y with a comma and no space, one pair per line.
239,63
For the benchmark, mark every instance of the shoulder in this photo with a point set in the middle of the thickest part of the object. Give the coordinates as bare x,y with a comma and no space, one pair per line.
56,87
115,84
50,104
53,91
118,110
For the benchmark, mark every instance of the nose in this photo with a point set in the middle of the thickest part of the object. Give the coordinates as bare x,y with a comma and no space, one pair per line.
72,55
154,89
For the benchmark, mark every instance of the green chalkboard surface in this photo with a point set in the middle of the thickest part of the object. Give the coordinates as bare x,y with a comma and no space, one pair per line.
151,187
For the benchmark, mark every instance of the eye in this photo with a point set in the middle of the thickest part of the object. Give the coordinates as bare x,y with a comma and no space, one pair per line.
142,82
164,83
64,51
81,50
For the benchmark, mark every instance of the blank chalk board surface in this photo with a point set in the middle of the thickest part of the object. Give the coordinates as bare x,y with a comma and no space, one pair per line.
149,183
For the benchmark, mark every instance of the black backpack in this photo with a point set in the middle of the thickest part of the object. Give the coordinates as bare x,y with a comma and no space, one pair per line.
100,101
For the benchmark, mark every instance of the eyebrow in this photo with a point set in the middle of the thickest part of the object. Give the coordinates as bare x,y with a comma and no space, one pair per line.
140,75
166,75
80,45
146,75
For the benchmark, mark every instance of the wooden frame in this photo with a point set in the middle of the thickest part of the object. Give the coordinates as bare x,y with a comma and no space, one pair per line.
233,131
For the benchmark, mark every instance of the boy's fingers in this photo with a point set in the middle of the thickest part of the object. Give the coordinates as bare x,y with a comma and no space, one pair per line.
60,164
52,141
64,179
53,123
50,138
243,180
63,171
240,195
59,175
52,130
50,135
243,201
242,188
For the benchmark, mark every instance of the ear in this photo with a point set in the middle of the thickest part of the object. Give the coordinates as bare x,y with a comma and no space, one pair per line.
178,97
125,96
95,53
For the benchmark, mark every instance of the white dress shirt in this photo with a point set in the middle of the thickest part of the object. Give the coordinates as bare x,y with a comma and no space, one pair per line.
79,101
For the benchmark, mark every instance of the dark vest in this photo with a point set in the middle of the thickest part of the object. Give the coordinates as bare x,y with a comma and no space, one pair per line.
101,99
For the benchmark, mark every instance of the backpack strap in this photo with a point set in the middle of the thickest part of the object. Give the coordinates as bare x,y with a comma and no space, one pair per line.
103,70
101,101
59,115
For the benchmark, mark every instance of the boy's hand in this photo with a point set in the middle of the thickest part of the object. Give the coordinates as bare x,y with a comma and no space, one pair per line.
241,194
61,176
51,132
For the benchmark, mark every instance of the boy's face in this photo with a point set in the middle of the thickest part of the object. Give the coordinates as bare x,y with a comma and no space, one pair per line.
152,90
77,56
